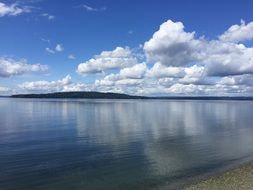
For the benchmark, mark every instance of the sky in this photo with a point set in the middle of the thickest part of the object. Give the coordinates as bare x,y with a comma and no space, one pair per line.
175,47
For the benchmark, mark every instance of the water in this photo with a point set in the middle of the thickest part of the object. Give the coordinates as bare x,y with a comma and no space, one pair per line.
119,144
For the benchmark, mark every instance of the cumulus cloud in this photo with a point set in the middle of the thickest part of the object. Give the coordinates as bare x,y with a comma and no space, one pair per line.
115,59
46,85
181,63
10,67
171,45
161,71
61,85
14,9
185,89
127,76
238,33
135,72
246,79
224,59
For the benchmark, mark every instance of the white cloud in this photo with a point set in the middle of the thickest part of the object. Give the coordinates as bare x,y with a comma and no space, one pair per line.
135,72
185,89
50,50
195,75
238,33
223,59
10,67
62,85
13,9
48,16
130,76
45,40
118,58
59,48
246,79
171,45
4,91
93,9
46,86
179,63
162,71
71,56
121,83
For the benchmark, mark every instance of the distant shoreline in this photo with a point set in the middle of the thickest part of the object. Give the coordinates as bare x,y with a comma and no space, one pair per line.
108,95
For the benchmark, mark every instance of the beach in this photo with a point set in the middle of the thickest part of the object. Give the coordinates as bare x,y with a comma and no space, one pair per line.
240,178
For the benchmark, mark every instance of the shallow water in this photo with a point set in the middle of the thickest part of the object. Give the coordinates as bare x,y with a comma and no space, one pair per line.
119,144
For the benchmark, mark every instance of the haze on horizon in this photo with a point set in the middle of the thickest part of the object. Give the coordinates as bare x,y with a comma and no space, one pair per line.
138,48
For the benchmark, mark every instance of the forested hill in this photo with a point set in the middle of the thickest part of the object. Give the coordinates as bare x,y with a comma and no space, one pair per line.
97,95
109,95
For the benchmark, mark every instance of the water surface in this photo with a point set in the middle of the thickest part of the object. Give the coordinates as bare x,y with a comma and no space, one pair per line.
119,144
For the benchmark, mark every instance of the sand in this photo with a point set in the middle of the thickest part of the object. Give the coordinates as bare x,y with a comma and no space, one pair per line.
240,178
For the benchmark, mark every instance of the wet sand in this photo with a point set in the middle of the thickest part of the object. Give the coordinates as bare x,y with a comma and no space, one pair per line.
240,178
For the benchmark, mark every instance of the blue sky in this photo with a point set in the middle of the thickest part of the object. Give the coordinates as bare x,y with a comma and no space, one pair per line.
81,29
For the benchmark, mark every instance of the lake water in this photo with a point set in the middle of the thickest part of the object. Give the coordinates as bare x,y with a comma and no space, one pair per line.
119,144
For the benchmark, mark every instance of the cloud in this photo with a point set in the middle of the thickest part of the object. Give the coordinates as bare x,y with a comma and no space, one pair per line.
59,48
48,16
10,67
115,59
71,56
93,9
237,80
118,84
238,33
61,85
195,75
46,85
5,91
126,76
175,62
223,59
161,71
13,9
45,40
185,89
171,45
181,63
50,50
135,72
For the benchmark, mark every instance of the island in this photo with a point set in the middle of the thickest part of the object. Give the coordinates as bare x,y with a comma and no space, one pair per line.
111,95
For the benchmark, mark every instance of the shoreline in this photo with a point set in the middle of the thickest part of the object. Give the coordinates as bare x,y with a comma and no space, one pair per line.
240,177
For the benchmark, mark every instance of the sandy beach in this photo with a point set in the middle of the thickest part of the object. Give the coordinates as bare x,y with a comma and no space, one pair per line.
240,178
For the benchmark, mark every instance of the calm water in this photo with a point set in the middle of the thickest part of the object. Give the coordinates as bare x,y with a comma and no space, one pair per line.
119,144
